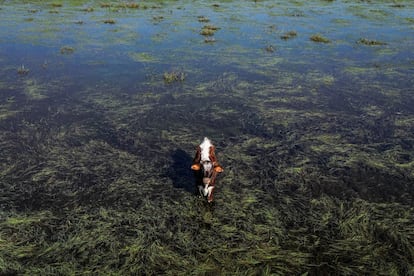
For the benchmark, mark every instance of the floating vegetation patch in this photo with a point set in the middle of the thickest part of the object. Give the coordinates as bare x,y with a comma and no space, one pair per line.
209,30
56,5
129,5
88,9
319,38
22,70
109,21
174,76
289,35
67,50
203,19
143,57
371,42
270,48
210,40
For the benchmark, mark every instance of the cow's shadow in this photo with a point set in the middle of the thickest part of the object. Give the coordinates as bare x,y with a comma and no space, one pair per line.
180,171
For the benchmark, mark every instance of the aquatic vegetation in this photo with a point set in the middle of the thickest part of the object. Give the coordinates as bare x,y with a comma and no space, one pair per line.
67,50
210,40
96,149
270,48
109,21
289,35
88,9
203,19
158,18
209,30
56,5
174,76
319,38
129,5
143,57
22,70
370,42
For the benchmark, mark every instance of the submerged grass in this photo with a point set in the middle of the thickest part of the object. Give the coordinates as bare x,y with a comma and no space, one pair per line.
94,161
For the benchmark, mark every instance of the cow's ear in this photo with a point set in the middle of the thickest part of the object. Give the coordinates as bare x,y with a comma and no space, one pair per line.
218,169
195,167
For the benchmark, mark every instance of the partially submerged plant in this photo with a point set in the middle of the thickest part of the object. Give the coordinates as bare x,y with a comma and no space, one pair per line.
270,48
209,40
22,70
319,38
67,50
174,76
56,5
209,30
370,42
288,35
132,5
203,19
89,9
109,21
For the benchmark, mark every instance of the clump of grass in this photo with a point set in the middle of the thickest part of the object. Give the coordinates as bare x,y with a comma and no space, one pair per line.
56,5
397,5
319,38
209,30
22,70
371,42
270,48
209,40
67,50
109,21
174,76
158,18
203,19
132,5
289,35
88,9
105,5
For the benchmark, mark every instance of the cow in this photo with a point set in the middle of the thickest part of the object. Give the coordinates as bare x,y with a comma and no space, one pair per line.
206,168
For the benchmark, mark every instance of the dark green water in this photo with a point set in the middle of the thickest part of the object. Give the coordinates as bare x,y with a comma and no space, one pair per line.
310,105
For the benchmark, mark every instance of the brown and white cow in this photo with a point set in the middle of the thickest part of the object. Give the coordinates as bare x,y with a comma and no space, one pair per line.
206,168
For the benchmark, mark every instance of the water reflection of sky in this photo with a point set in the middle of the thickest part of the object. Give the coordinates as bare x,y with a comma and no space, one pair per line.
169,36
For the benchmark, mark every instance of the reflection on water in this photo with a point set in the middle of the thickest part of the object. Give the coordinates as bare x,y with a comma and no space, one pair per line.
103,103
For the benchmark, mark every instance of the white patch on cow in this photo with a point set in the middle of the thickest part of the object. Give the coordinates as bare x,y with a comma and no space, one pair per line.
205,190
209,190
205,149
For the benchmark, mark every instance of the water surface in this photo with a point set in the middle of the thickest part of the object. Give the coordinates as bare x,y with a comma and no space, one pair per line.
316,138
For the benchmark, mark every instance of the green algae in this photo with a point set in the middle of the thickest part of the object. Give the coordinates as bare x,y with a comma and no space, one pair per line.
319,38
143,57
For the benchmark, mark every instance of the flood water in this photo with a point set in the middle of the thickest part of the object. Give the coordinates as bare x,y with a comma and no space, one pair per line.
310,105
